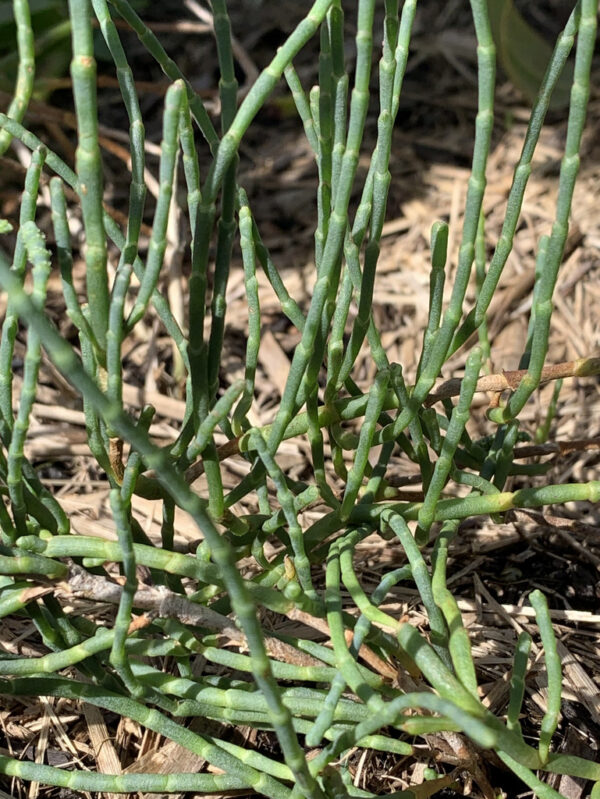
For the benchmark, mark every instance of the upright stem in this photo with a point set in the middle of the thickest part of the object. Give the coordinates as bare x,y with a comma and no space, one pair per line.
89,166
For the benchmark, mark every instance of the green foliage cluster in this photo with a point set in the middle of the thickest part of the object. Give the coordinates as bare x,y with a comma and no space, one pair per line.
332,700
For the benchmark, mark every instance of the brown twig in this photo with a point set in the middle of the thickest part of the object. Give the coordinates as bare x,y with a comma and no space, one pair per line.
557,448
163,603
510,380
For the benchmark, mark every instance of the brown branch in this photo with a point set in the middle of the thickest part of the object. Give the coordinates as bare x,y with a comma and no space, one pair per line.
557,448
510,380
165,604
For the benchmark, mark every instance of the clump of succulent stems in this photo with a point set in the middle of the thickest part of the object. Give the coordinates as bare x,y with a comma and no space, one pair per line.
379,682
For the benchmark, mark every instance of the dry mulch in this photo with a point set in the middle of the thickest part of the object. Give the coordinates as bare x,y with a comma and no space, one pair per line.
493,566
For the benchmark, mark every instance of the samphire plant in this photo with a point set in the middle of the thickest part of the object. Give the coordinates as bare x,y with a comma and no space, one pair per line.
317,698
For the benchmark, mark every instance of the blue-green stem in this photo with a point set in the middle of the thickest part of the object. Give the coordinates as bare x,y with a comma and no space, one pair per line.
315,439
226,225
10,324
26,69
118,655
91,781
345,661
158,239
517,682
326,715
443,465
114,335
439,252
248,247
327,280
89,166
420,573
335,20
372,412
477,182
543,431
553,670
137,189
151,719
38,255
286,500
521,176
568,174
302,105
62,237
459,645
480,262
321,95
381,182
170,69
219,412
